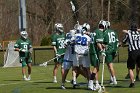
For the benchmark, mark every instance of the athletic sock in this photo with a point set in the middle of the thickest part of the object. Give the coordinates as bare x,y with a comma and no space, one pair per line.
114,78
54,77
111,78
24,76
29,76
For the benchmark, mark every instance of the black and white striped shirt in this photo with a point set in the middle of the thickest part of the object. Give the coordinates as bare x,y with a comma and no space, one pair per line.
133,39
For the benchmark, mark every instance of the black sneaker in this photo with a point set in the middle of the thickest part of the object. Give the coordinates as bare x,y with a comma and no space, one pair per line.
74,86
137,78
127,76
131,85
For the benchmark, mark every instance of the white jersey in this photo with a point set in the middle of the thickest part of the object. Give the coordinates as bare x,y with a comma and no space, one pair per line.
68,57
82,43
69,49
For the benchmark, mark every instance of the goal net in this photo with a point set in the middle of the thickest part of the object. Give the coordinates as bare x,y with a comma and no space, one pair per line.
11,57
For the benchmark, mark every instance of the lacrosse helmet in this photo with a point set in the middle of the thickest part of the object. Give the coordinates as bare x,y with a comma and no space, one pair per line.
59,27
107,24
72,32
86,26
78,28
24,34
102,24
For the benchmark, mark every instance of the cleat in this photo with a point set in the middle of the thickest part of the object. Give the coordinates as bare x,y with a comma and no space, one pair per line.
94,88
113,83
54,81
90,85
25,79
29,78
74,86
67,81
131,85
63,87
97,86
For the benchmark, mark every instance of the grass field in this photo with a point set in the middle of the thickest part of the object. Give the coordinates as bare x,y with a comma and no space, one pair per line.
11,81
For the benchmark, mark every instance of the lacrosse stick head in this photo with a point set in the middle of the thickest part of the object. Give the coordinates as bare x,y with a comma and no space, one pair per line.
101,89
43,64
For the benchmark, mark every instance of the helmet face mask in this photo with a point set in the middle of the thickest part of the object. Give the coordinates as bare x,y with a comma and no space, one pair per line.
102,24
24,34
59,27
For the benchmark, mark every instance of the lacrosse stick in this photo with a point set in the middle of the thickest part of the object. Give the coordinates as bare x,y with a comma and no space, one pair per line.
102,88
45,63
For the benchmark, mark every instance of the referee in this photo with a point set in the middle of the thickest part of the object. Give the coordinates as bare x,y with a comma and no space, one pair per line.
133,38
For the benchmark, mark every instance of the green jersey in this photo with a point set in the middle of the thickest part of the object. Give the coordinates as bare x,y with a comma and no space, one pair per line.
92,44
23,44
98,38
111,40
58,42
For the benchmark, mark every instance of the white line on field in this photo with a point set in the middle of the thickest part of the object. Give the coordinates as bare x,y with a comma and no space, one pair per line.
20,82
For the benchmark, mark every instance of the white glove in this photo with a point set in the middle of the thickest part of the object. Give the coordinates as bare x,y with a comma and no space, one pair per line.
22,50
58,55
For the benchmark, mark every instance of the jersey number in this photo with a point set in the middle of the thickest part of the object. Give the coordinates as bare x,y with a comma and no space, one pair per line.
61,42
111,37
25,47
81,40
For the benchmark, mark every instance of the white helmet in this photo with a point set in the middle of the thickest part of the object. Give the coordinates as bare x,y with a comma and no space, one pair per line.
102,24
86,26
59,27
24,34
78,28
107,24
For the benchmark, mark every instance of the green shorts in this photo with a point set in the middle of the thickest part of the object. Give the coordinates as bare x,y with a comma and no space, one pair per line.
24,61
110,55
94,60
59,59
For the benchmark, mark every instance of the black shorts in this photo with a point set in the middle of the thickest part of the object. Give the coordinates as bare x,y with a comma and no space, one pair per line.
133,58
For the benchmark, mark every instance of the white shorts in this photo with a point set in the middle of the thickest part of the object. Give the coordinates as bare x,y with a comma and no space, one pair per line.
67,64
81,60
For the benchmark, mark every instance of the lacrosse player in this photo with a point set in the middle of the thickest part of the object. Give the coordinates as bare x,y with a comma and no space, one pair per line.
68,55
81,55
111,47
24,47
96,49
58,44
